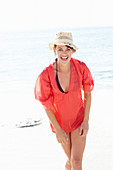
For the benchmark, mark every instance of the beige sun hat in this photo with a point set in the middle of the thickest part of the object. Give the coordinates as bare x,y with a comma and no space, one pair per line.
63,38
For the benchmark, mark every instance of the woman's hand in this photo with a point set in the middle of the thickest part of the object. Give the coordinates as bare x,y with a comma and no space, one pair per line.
61,137
84,128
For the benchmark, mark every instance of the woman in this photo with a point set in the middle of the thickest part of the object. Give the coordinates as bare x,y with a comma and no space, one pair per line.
58,88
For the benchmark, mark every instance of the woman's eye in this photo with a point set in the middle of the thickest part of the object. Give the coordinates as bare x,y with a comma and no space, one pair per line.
59,49
68,49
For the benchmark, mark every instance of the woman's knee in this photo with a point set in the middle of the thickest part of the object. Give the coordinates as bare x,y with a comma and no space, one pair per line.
76,163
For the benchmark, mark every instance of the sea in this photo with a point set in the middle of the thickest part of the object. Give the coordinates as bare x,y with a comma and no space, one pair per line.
24,54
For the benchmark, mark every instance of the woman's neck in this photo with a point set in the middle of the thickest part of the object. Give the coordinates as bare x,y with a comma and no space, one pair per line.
64,68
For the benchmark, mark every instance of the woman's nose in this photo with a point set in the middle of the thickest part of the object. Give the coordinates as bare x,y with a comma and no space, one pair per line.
64,53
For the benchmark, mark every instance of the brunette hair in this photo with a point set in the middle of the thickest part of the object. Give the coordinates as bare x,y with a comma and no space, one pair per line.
66,46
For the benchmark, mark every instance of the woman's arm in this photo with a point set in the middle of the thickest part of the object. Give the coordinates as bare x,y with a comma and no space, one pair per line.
60,134
87,103
53,120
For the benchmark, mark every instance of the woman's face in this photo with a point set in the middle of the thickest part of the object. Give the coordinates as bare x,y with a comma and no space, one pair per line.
63,53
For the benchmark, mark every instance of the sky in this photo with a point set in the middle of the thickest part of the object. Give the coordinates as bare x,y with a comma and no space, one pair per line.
16,15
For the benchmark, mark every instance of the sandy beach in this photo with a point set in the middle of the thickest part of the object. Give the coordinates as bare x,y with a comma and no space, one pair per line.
37,148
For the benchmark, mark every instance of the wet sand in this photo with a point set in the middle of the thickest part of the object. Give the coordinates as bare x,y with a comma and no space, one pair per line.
37,148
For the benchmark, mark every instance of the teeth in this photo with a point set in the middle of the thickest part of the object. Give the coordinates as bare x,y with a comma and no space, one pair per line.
64,58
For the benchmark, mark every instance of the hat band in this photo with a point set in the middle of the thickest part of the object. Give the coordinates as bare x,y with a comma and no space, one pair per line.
63,43
64,37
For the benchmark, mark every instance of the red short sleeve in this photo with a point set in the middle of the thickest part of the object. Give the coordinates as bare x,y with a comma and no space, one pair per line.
87,79
42,90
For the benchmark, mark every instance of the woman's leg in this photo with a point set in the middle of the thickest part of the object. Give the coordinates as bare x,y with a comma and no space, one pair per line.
67,150
78,145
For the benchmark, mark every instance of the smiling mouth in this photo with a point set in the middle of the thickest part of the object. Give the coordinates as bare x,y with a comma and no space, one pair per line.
64,58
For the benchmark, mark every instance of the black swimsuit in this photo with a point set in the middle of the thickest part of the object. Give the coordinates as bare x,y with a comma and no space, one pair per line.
57,80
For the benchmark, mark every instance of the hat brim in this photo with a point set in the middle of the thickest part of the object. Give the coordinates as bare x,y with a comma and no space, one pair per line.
51,45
